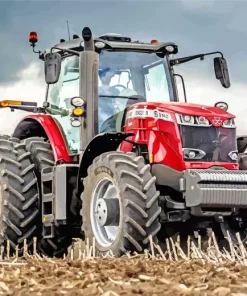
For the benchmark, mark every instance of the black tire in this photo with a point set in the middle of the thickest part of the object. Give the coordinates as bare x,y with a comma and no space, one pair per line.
139,202
18,195
42,156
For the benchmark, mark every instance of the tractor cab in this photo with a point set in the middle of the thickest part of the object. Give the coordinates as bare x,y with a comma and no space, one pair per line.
129,74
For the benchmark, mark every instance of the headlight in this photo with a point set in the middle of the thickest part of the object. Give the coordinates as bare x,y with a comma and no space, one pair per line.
75,122
233,155
185,119
202,121
77,102
192,120
99,44
169,48
229,123
193,154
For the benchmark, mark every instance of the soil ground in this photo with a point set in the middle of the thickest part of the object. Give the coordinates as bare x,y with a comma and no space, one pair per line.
123,276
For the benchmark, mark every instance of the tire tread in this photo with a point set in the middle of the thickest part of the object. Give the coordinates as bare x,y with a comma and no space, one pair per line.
137,188
18,221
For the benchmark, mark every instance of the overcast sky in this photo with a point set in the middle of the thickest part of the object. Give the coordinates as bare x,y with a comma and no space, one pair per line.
196,26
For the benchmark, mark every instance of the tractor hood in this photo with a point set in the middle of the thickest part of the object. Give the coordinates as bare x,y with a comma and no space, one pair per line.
188,109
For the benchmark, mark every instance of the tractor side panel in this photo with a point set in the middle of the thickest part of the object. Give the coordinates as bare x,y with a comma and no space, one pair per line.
161,136
54,133
164,149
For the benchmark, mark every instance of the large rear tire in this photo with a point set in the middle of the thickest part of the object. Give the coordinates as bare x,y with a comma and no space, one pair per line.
121,191
42,156
18,195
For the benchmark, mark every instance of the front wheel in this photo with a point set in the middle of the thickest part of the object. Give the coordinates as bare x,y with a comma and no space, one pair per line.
120,204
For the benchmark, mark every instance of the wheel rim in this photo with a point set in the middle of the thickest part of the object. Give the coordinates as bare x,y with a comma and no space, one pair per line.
105,212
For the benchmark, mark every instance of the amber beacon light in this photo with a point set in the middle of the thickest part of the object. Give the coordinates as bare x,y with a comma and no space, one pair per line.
7,103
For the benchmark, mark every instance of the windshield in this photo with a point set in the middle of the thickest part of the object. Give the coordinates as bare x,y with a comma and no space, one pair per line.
122,74
125,74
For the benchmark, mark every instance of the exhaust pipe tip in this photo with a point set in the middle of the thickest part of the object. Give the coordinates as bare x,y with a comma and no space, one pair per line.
88,40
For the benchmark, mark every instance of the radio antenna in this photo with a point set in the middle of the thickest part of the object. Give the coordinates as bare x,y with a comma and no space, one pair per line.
68,29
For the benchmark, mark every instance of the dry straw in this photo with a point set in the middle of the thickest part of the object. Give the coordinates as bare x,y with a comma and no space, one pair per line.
171,270
81,250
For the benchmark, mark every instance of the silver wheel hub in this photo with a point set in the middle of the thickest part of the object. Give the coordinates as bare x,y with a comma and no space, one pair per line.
101,213
105,212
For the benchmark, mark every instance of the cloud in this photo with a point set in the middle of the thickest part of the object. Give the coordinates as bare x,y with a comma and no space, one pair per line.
30,87
197,26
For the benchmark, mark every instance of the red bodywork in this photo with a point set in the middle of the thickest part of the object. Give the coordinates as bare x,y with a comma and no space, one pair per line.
54,134
162,135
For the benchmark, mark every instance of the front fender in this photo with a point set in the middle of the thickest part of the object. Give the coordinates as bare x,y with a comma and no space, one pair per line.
101,143
40,125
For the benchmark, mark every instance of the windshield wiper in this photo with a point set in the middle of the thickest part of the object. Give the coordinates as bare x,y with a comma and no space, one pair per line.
135,97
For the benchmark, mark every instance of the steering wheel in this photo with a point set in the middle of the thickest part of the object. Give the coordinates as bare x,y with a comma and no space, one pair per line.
118,85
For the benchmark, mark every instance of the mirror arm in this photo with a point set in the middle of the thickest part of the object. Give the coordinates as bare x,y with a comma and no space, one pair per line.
190,58
215,52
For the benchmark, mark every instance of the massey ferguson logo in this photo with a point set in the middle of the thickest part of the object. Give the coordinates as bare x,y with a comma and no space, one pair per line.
217,121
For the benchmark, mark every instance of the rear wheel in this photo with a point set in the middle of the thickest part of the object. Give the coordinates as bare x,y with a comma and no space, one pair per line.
120,204
42,156
18,195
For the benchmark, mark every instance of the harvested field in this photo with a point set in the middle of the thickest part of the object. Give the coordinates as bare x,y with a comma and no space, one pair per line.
170,273
125,276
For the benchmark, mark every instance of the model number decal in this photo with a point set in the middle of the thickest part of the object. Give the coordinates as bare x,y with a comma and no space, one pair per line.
149,113
103,169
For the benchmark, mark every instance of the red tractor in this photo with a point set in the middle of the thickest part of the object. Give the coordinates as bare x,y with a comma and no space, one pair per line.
113,157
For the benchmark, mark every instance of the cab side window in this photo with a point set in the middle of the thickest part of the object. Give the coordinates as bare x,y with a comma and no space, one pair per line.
59,96
156,85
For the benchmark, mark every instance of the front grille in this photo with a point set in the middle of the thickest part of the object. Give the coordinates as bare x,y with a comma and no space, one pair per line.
215,142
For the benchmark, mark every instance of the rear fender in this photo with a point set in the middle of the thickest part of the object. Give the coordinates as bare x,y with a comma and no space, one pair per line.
41,125
100,144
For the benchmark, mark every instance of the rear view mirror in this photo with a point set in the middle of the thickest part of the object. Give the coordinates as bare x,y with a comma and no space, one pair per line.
221,72
52,67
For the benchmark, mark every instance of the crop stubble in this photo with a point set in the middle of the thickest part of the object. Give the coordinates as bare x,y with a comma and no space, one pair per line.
124,276
172,273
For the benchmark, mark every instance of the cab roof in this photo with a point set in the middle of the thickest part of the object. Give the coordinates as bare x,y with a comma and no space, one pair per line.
77,44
